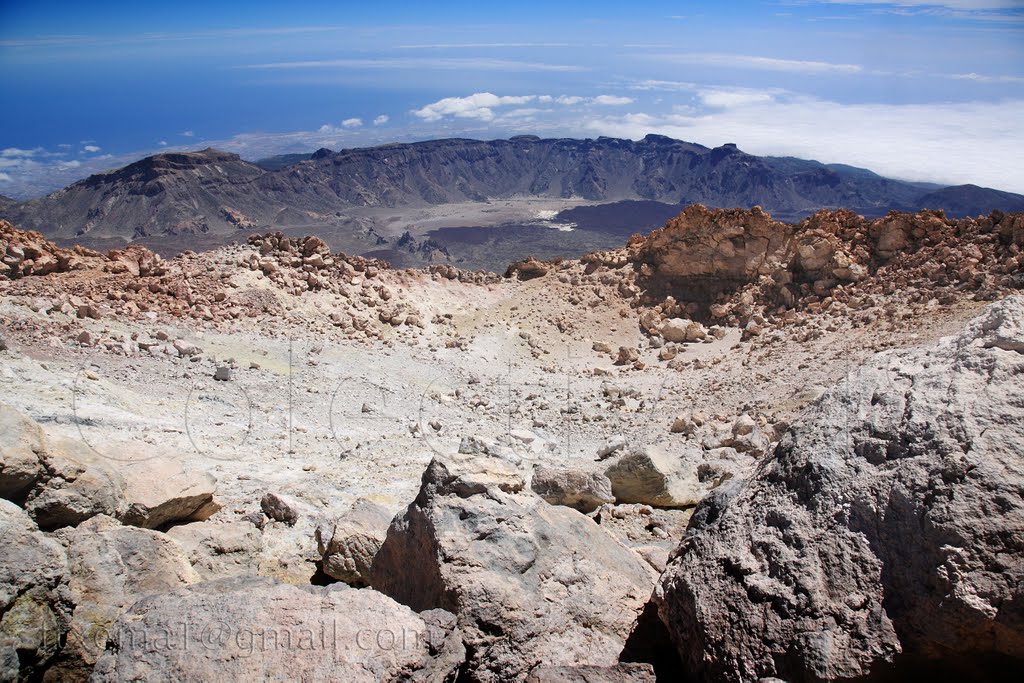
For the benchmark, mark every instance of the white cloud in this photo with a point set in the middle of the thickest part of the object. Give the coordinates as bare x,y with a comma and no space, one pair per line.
18,162
5,178
152,37
69,164
188,133
419,63
162,143
670,86
479,106
451,46
982,78
949,4
16,152
523,112
612,100
352,123
736,61
91,149
381,120
974,142
727,98
1001,11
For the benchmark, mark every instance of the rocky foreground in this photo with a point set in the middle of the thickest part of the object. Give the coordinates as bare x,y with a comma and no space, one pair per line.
733,449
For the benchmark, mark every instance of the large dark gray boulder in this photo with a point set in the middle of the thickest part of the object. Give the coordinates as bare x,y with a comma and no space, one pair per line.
886,531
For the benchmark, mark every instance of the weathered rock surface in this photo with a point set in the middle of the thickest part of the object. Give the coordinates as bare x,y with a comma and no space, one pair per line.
348,544
745,269
109,567
63,482
584,491
258,629
527,269
681,330
707,244
649,475
622,673
282,508
30,558
160,491
31,633
888,521
219,550
76,484
289,546
746,436
79,484
653,533
31,566
22,443
530,582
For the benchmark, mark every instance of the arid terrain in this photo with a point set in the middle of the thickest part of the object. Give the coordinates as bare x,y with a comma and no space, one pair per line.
506,464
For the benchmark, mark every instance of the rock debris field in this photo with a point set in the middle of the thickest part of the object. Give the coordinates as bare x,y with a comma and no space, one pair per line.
734,449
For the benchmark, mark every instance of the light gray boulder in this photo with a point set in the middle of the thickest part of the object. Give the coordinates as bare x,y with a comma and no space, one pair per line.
29,558
77,484
680,479
583,491
110,566
219,550
249,629
63,482
611,446
649,475
22,443
161,490
530,582
32,620
681,330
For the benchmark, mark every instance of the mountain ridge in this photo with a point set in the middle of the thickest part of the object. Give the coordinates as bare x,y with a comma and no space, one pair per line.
214,193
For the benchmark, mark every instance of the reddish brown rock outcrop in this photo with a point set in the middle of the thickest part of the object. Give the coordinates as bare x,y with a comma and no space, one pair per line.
26,252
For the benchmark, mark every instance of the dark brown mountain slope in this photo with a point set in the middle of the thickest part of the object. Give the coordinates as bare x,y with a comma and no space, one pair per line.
209,196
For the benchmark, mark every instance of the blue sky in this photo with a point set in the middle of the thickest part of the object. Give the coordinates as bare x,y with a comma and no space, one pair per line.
916,90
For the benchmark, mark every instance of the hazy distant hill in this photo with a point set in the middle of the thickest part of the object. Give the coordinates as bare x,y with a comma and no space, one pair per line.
214,193
964,200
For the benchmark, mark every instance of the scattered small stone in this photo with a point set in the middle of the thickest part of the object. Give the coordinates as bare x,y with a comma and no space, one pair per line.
611,446
280,508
